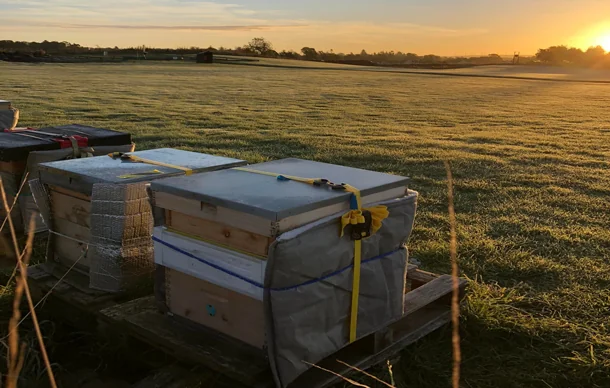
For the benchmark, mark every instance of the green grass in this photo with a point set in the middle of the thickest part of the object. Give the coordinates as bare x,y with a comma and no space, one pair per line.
532,181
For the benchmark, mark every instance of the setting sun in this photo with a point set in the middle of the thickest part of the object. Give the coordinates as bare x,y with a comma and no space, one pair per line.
604,41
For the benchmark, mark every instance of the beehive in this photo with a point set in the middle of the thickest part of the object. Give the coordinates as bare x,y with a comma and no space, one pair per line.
100,215
21,150
222,227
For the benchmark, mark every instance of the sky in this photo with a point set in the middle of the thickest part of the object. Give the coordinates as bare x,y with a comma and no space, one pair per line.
442,27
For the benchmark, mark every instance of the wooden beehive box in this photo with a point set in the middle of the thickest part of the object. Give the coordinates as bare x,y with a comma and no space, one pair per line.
231,218
16,146
70,184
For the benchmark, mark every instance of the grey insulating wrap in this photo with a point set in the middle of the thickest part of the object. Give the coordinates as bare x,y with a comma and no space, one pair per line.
121,251
9,118
27,204
311,322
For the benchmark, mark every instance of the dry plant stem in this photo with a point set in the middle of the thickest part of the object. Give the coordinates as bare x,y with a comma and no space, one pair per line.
355,383
455,304
8,215
9,281
48,292
25,179
9,219
365,373
24,276
391,373
15,356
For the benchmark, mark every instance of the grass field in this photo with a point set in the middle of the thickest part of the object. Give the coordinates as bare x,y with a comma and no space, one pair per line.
532,180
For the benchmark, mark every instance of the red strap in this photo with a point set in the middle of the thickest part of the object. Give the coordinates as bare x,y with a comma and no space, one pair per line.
65,142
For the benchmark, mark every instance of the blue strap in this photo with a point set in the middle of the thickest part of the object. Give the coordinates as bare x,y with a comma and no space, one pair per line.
353,202
259,285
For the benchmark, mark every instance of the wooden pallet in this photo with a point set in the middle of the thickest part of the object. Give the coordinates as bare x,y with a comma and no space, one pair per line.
427,307
70,299
178,376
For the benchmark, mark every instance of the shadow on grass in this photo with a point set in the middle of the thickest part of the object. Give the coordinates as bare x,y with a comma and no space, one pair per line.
496,357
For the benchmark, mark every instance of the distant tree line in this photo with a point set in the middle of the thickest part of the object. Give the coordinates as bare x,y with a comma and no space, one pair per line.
556,55
563,55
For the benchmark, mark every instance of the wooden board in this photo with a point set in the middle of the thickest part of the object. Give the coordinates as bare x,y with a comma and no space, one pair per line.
14,167
256,224
190,345
67,250
275,199
178,376
244,265
71,208
67,299
215,307
71,193
214,213
216,232
427,308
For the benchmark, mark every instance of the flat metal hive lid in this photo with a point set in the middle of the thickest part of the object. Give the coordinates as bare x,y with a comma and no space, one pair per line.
267,197
104,169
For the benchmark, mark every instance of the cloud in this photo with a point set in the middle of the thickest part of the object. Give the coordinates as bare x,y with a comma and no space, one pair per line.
17,22
172,23
132,12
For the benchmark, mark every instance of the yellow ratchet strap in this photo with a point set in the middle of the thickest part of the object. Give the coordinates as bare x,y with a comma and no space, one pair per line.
353,217
133,158
275,174
139,174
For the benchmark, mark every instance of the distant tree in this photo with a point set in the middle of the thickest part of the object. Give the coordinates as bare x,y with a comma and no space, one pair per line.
411,57
309,53
289,54
495,58
556,55
431,58
259,46
559,55
595,55
575,56
544,55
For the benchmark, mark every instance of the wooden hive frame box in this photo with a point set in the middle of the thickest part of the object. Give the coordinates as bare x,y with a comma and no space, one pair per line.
199,214
22,149
251,228
70,185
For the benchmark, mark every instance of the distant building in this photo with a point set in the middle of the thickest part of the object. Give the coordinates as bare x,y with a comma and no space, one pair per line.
205,57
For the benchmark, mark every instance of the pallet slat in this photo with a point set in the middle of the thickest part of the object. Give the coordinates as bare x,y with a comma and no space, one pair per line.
425,312
427,308
191,345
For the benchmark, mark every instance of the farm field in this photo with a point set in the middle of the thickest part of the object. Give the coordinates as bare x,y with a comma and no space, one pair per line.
530,159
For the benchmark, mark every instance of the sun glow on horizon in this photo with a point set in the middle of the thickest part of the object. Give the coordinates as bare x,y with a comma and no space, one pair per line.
604,41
